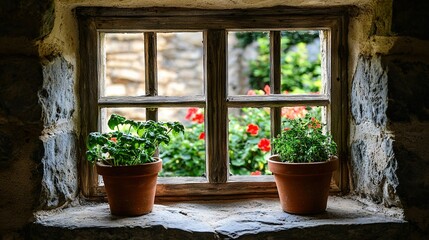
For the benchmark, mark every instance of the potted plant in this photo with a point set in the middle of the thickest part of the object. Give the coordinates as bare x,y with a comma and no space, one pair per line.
303,165
125,159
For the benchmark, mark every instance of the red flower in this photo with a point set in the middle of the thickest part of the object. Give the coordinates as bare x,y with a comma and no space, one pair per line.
251,92
199,118
264,145
113,139
202,136
252,129
286,129
267,89
293,112
314,123
191,112
255,173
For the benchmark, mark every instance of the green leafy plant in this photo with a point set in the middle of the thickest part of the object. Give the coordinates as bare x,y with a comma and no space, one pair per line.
302,140
131,142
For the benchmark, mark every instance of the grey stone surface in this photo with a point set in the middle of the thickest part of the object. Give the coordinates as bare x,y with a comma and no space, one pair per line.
60,180
59,163
372,156
57,96
369,92
245,219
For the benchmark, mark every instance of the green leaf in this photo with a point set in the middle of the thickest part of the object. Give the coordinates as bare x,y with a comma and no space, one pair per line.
115,120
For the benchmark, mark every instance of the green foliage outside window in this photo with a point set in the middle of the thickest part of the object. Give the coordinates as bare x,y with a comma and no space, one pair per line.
299,72
249,131
249,142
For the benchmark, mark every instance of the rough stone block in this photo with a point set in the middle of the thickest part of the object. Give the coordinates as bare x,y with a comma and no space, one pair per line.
251,219
57,95
369,92
410,18
372,156
20,154
408,89
21,78
24,18
60,179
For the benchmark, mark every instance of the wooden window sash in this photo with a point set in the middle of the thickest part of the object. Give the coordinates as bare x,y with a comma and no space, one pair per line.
216,111
218,183
275,81
151,75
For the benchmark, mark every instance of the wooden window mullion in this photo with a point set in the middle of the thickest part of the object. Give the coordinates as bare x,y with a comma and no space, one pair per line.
275,80
151,76
216,112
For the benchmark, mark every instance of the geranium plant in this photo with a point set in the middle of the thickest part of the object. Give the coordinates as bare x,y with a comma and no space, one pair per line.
303,140
130,142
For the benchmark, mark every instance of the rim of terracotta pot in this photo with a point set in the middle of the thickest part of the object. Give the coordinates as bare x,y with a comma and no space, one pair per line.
130,171
311,168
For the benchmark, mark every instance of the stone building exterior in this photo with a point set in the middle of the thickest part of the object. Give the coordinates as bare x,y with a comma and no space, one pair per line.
388,82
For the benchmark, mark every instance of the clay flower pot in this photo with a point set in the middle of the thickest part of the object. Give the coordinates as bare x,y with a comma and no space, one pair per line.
303,187
130,189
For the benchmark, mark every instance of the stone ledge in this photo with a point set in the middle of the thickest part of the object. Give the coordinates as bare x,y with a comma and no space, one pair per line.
252,219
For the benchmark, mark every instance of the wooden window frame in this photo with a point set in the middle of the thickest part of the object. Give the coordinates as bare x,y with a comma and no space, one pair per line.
214,24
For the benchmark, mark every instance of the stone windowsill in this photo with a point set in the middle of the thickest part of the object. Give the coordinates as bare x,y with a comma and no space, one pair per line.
345,218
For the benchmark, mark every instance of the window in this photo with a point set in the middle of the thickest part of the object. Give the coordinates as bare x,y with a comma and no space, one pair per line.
148,98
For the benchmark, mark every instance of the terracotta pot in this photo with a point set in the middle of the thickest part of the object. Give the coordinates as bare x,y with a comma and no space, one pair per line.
130,189
303,187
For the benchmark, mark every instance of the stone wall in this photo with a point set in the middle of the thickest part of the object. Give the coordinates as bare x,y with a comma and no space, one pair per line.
389,107
388,83
21,76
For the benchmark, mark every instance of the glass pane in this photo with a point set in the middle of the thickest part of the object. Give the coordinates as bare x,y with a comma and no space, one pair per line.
248,63
301,62
180,63
124,66
138,114
185,154
249,140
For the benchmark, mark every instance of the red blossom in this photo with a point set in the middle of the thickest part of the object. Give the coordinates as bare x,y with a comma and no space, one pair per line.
255,173
286,129
191,112
264,145
202,136
252,129
294,112
113,139
267,89
314,123
198,118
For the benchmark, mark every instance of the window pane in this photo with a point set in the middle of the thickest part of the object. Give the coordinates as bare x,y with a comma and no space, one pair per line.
124,66
185,154
301,62
180,63
248,62
138,114
249,140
